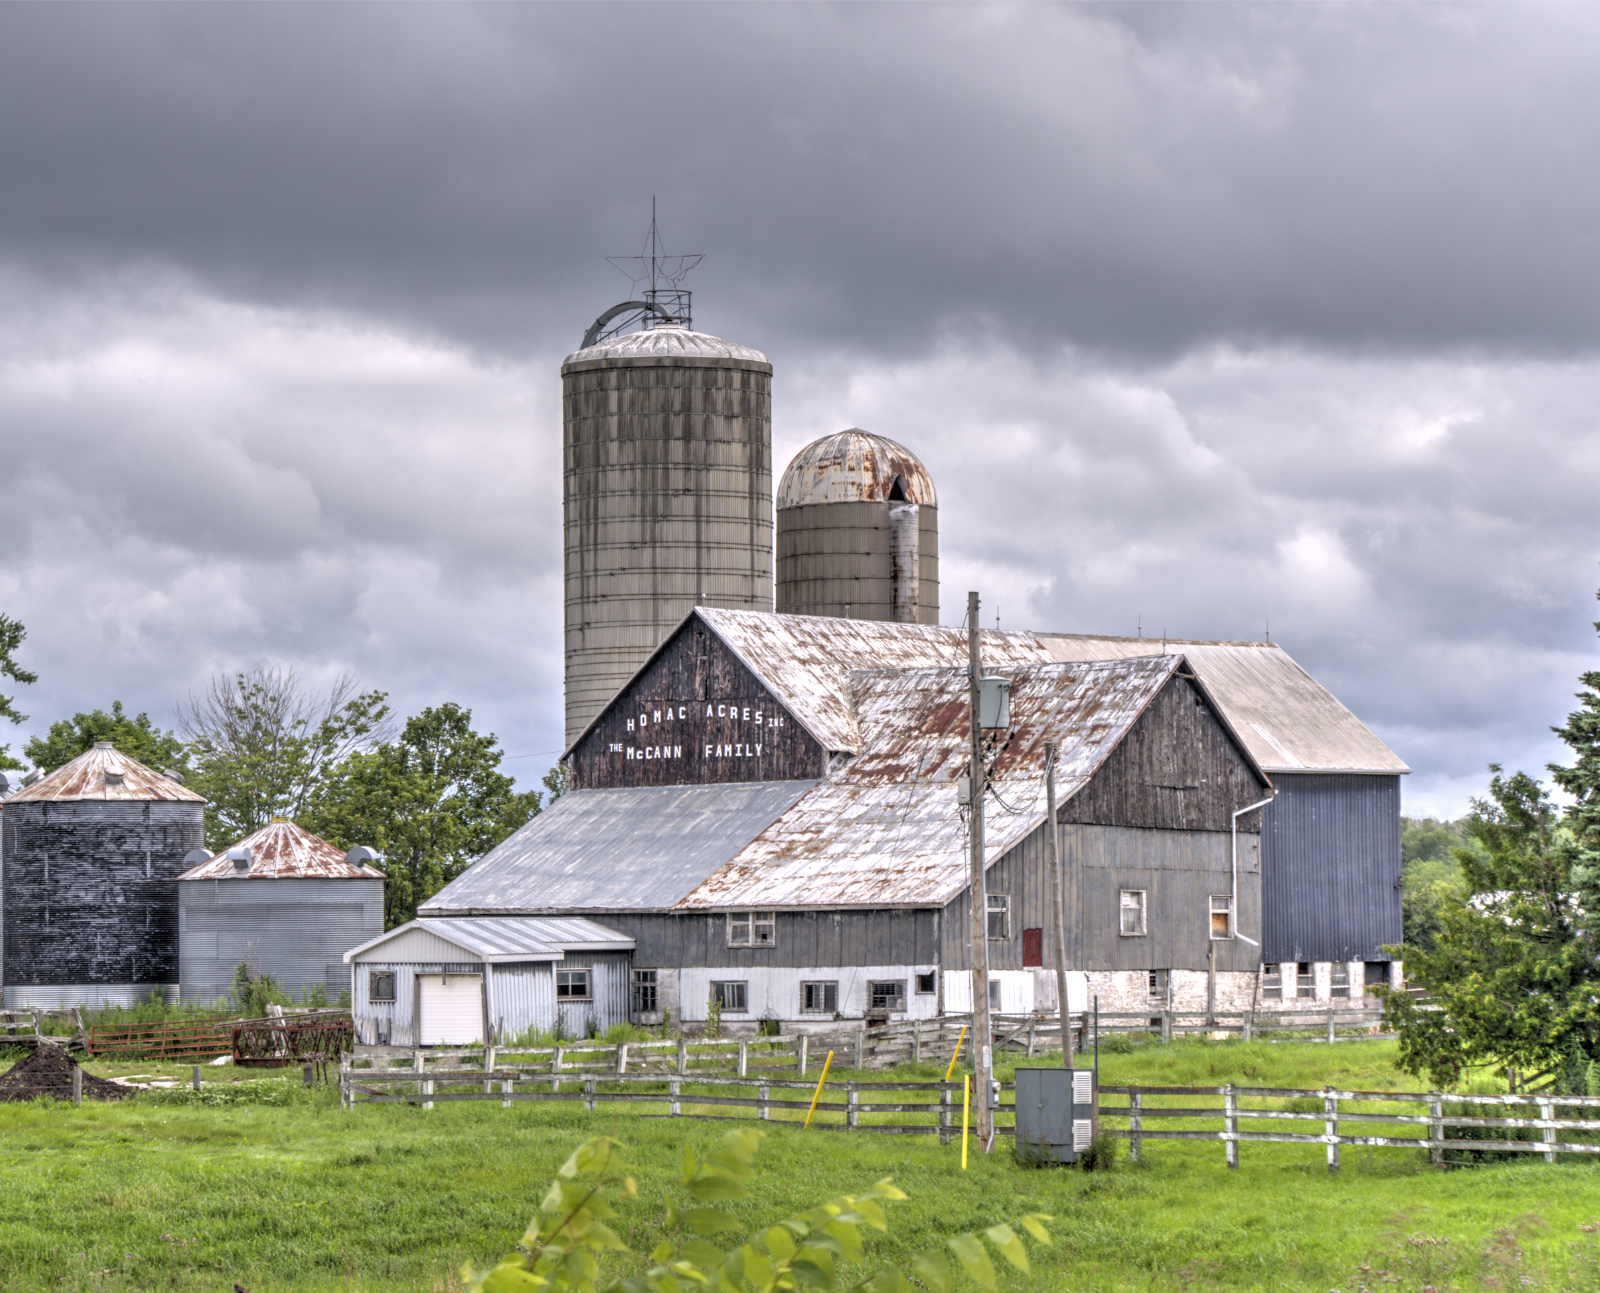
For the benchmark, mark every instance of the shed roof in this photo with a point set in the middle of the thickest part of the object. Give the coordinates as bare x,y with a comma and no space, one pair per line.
626,849
854,466
493,939
886,831
103,773
283,850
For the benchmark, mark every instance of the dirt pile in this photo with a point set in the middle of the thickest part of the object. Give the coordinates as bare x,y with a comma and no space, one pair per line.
48,1071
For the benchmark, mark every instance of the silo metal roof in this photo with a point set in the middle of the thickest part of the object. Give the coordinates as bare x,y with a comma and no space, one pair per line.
854,466
666,343
103,774
284,851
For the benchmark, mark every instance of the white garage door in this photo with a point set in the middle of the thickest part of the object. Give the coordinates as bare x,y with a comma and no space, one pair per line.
452,1009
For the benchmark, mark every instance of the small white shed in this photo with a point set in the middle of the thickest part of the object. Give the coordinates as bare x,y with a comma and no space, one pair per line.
452,981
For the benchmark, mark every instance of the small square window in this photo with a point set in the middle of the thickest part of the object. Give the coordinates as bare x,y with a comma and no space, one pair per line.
644,991
1305,981
819,998
999,916
1159,982
929,982
380,985
1221,915
1132,911
738,929
889,995
752,928
572,985
732,997
1272,982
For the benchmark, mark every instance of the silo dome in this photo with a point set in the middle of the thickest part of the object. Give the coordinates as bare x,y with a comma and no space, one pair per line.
858,531
667,503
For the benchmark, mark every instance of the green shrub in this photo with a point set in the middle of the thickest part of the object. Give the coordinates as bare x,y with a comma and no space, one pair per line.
264,1091
1101,1156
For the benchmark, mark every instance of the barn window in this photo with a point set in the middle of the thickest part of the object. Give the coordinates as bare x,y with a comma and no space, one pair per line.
1339,981
380,985
644,991
1159,981
1221,915
752,928
1375,974
1272,982
572,985
928,982
890,995
1305,983
732,997
819,998
999,916
1032,949
1133,905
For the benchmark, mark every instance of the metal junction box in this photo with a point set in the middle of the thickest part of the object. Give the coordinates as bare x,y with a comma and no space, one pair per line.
1055,1113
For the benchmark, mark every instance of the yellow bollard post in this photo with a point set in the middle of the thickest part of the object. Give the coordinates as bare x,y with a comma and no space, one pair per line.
817,1094
966,1104
956,1054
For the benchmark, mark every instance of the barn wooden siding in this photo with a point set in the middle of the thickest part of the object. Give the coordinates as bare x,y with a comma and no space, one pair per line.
1330,863
296,930
695,716
801,938
91,894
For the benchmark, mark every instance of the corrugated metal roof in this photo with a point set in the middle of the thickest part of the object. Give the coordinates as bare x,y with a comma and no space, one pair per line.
618,850
854,466
1289,721
500,938
666,343
102,773
885,831
284,851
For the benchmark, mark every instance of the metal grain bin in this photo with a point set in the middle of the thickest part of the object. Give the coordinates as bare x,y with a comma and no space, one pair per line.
858,532
284,902
667,455
1055,1113
89,861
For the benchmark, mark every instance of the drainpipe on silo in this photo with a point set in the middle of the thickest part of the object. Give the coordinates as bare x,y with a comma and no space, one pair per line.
905,561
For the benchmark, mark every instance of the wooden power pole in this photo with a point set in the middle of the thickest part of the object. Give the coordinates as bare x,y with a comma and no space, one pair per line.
1052,836
982,1034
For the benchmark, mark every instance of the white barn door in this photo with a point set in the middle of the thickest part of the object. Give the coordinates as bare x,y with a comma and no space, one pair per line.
452,1009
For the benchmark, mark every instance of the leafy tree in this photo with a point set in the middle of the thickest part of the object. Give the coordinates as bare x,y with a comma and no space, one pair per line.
1430,876
555,781
11,635
815,1249
432,801
261,741
136,737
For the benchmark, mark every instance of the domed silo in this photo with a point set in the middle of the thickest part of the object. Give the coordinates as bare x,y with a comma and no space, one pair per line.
667,452
858,532
91,856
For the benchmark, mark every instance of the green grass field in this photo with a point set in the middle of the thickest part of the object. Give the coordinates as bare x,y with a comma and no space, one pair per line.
299,1195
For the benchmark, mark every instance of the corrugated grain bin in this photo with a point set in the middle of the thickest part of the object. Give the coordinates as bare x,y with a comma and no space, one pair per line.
90,857
282,901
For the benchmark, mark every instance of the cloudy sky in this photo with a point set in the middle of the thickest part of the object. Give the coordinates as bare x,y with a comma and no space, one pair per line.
1201,316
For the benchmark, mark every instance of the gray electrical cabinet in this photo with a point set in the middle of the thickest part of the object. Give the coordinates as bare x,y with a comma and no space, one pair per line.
1055,1113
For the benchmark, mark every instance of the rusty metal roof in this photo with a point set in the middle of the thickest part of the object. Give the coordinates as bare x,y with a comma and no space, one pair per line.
885,831
665,343
103,774
283,850
855,466
1287,719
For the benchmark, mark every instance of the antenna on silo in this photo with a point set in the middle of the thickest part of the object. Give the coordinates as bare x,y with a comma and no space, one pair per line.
657,296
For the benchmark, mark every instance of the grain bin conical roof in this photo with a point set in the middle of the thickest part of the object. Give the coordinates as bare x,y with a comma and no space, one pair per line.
103,773
283,850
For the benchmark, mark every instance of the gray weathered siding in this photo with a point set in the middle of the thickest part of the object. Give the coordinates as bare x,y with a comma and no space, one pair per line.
802,938
296,930
1331,867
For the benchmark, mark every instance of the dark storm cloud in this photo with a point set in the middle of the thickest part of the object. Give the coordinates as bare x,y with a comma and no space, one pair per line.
1140,178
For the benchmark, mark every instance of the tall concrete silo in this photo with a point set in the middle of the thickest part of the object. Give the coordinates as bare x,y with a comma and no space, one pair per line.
91,857
858,532
667,451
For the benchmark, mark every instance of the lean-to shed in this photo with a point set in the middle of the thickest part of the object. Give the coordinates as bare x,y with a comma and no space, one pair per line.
283,901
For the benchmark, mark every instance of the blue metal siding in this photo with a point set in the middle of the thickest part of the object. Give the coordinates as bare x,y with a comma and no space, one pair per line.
1330,867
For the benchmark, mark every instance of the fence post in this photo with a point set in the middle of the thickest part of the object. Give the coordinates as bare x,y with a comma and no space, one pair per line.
417,1065
1330,1113
1249,1018
944,1110
916,1041
1330,1025
555,1067
427,1090
674,1089
860,1043
589,1101
1436,1130
850,1107
1230,1124
744,1057
77,1085
800,1051
1547,1111
505,1093
1135,1124
762,1111
194,1077
622,1058
683,1054
1166,1027
307,1075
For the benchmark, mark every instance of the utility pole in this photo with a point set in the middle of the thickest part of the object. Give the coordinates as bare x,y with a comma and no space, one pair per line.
982,1034
1052,835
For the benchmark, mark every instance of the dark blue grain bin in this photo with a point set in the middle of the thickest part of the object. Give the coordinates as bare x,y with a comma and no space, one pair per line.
1055,1113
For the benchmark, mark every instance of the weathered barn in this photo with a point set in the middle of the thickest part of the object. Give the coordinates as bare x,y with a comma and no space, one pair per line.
792,823
89,861
281,901
456,982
